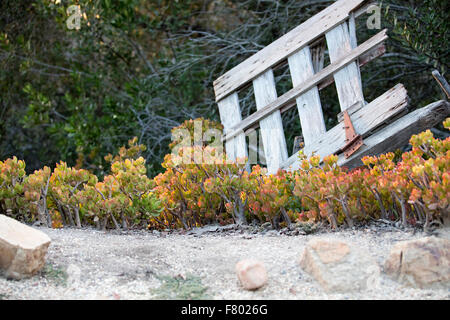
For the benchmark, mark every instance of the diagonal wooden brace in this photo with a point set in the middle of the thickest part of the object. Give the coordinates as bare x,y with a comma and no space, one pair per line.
353,140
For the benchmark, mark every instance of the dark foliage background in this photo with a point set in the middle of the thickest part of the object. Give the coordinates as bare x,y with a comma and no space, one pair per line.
141,67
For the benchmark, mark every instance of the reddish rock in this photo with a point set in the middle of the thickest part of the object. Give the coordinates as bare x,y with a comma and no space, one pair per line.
252,274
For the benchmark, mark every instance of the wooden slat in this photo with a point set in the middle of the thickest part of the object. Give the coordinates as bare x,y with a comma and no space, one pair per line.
272,132
284,46
372,55
318,56
352,31
314,80
261,152
365,120
230,115
347,80
308,104
363,60
398,133
354,42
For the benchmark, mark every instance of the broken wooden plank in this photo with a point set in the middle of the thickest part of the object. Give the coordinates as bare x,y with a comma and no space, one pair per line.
292,94
284,46
348,79
398,133
272,132
230,115
351,110
364,120
308,104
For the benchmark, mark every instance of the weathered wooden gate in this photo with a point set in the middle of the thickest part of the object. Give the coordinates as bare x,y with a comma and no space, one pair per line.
358,132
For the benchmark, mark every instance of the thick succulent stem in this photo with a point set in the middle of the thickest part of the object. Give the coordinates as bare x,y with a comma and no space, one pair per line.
239,210
332,216
380,203
77,217
285,216
114,221
344,205
403,209
124,221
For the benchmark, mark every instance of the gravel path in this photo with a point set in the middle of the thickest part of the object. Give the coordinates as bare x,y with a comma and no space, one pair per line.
90,264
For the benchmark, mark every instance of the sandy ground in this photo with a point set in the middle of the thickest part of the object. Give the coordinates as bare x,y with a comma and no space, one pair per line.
90,264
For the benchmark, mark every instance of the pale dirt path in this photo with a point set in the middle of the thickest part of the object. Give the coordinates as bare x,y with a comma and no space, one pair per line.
131,265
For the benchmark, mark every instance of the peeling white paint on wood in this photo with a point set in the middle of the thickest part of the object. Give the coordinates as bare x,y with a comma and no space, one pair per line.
272,131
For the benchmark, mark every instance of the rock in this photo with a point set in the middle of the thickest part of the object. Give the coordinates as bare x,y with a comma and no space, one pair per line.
206,229
22,249
267,226
422,263
229,227
252,274
306,227
336,265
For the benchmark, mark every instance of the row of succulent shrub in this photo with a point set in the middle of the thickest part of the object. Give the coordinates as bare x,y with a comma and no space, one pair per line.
68,196
414,190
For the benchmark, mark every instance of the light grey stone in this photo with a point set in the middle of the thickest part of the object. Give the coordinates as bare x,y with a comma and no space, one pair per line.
22,249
